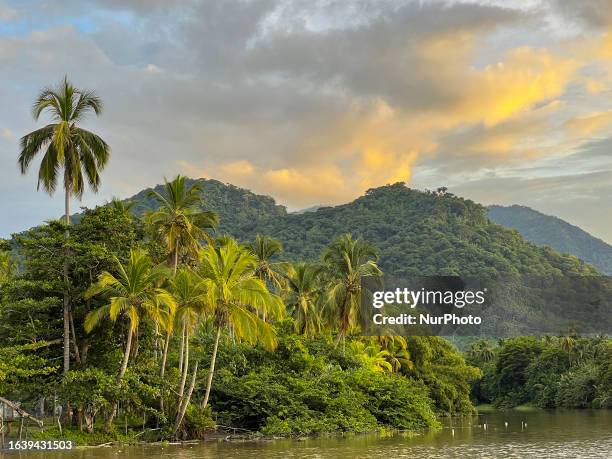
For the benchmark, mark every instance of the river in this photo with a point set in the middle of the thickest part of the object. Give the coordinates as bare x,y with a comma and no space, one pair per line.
567,434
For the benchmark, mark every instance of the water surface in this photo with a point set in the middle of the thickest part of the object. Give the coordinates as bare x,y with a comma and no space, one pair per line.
567,434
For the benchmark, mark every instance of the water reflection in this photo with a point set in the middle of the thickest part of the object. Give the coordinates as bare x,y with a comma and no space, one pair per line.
575,434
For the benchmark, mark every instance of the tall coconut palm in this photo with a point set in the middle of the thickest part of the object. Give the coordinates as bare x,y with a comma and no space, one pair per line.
236,295
132,295
302,297
67,149
190,298
348,261
178,222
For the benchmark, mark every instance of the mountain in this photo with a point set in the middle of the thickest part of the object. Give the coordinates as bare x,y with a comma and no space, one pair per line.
239,210
546,230
417,233
309,209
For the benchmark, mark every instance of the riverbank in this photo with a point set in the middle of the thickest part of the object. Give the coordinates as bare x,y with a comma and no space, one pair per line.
489,408
151,436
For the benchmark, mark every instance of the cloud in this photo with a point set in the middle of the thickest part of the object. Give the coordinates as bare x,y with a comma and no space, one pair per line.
7,134
587,12
297,187
590,124
316,101
8,13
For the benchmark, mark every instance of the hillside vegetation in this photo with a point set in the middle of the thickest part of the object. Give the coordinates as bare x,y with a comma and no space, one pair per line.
417,233
546,230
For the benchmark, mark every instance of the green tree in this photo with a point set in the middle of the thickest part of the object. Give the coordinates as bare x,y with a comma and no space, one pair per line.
265,249
68,149
7,266
349,261
132,294
481,351
190,299
397,352
303,289
236,295
371,356
123,207
178,222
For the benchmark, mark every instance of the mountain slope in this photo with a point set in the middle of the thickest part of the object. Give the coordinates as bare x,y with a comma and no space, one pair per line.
239,209
546,230
417,233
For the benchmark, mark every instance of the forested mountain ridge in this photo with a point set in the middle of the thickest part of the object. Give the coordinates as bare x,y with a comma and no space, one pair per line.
238,209
547,230
417,233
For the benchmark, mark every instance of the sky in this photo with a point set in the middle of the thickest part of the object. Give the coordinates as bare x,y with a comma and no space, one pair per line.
314,102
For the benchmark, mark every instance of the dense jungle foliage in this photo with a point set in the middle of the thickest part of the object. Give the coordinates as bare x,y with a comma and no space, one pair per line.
289,364
148,318
550,372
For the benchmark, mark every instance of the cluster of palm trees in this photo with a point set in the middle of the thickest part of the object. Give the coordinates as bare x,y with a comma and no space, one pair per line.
236,288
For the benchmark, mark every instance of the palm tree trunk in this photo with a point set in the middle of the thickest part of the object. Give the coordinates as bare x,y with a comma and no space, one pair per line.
156,342
341,335
185,369
66,278
137,340
175,258
162,371
212,368
344,326
182,354
77,354
126,354
126,357
66,294
338,338
183,407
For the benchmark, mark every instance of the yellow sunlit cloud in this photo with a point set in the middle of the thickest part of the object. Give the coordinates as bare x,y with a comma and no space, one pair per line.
590,124
506,111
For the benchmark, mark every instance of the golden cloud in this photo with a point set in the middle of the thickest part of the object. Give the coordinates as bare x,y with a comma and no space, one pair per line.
590,124
509,109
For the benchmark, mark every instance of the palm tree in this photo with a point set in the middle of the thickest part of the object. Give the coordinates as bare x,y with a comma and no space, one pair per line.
132,295
481,351
69,149
123,207
398,354
236,295
190,298
371,356
265,248
302,297
177,221
348,262
568,344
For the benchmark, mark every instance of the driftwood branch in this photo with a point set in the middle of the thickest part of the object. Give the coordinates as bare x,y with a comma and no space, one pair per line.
21,411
